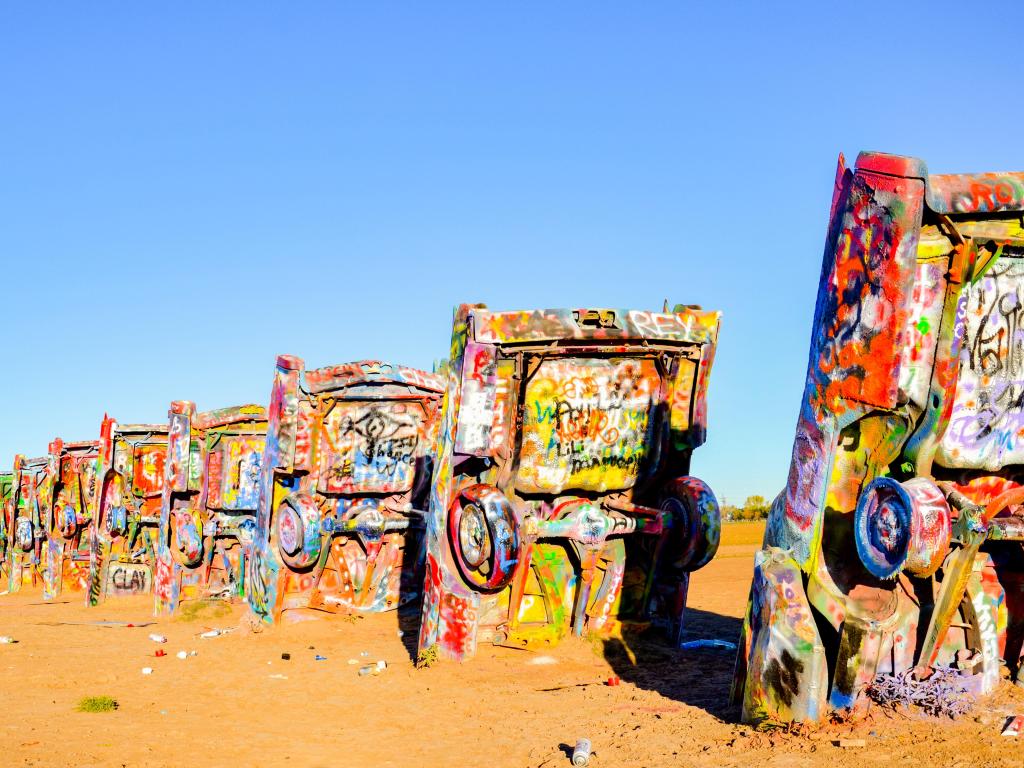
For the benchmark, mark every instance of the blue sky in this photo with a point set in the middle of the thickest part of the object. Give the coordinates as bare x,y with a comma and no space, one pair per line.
188,190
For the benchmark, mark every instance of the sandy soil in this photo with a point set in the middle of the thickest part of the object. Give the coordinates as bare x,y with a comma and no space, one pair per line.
238,703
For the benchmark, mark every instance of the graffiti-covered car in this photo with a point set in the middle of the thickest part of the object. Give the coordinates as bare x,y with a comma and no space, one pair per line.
895,548
68,518
209,502
562,499
130,472
345,476
30,497
6,516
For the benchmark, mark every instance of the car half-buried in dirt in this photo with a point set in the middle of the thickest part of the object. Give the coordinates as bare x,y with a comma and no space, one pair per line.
68,518
562,499
895,547
30,497
130,470
6,516
208,508
345,477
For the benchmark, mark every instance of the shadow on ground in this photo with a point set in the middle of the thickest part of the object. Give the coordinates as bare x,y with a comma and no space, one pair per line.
699,677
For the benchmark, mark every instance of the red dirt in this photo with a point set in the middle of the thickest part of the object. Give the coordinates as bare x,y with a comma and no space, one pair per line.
225,707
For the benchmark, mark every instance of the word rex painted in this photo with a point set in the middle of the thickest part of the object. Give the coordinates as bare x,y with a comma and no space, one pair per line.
562,499
343,486
209,502
895,547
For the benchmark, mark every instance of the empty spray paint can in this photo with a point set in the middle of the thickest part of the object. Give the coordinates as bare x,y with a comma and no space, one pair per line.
581,755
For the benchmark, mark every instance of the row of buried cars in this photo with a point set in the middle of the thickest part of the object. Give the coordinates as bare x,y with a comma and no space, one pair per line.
541,486
537,486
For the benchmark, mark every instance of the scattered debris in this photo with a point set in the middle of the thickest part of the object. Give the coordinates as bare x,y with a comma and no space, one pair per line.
278,677
216,632
147,670
318,657
944,692
182,655
158,638
7,640
160,652
849,743
286,656
1014,726
543,660
373,669
581,753
725,645
613,681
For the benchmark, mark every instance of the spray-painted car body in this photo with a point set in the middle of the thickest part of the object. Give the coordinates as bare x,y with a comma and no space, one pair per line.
6,517
345,474
561,499
130,470
893,548
67,520
209,502
30,497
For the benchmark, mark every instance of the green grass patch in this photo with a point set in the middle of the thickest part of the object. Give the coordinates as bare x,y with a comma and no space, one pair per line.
97,704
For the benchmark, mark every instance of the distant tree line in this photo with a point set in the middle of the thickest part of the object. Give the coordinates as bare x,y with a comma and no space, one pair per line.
754,508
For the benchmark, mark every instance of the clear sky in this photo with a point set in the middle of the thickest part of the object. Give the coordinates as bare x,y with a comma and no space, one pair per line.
187,190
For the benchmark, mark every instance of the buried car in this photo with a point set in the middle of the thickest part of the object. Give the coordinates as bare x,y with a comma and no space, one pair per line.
6,494
30,497
344,480
209,501
67,520
562,499
130,471
895,548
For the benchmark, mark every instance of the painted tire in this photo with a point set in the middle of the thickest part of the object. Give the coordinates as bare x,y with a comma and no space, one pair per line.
187,537
113,513
484,537
23,534
65,520
297,529
696,523
902,526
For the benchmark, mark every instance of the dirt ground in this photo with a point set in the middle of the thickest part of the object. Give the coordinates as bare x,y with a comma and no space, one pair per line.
238,703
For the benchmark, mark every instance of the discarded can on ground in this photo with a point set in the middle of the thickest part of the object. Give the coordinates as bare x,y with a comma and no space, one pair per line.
581,754
158,638
7,640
